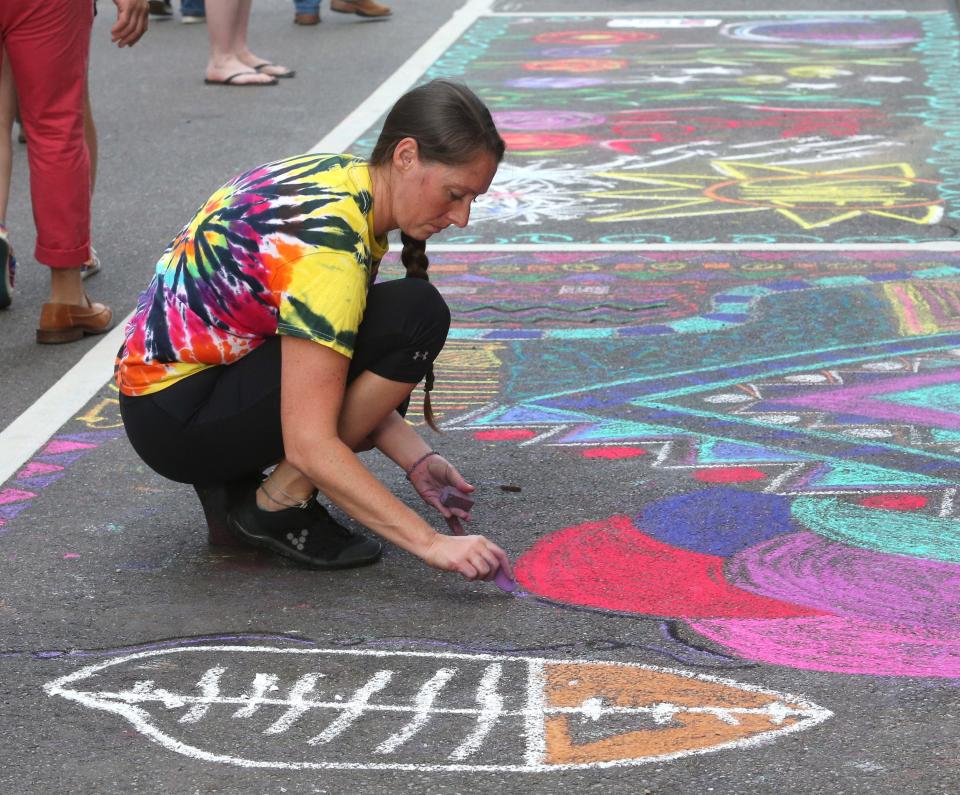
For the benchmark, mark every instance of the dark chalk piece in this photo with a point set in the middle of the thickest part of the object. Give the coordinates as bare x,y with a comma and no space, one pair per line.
454,498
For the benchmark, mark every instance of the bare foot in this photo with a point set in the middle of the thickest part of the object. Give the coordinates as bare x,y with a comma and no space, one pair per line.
264,66
237,73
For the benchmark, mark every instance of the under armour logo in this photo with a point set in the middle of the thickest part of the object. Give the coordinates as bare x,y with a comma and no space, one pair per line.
420,355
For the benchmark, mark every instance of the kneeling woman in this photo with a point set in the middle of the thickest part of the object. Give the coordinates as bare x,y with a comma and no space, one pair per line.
263,341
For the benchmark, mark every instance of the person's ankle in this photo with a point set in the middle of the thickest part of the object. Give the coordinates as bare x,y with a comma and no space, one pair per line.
268,500
66,286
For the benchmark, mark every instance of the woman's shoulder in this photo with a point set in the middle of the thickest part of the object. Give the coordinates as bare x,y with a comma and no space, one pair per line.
322,168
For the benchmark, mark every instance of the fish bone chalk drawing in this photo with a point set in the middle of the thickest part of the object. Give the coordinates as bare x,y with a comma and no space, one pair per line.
300,709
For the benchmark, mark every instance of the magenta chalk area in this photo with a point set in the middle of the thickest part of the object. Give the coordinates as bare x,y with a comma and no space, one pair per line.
840,645
852,583
611,565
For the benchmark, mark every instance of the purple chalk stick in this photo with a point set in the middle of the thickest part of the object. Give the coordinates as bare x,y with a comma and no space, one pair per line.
506,583
454,498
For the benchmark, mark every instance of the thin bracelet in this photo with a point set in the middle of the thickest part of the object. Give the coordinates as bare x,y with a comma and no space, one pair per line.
419,461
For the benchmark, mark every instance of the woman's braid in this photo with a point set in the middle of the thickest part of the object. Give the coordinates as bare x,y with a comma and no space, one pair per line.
414,259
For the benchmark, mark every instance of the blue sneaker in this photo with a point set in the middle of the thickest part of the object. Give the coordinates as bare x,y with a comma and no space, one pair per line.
8,270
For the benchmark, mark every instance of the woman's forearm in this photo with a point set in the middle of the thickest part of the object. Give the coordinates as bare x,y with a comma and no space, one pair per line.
399,441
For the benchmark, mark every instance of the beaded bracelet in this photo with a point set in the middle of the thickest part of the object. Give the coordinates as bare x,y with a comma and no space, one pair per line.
419,461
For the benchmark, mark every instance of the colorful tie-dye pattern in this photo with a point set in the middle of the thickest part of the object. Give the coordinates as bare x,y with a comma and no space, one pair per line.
286,248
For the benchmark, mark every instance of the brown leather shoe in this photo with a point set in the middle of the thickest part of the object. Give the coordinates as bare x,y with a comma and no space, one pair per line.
69,322
306,19
362,8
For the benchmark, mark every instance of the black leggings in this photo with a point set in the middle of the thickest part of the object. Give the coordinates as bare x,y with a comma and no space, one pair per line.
223,423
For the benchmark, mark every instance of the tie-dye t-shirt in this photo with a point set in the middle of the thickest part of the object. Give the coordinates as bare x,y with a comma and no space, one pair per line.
287,248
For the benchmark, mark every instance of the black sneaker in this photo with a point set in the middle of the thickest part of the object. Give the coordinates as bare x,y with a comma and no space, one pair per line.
308,535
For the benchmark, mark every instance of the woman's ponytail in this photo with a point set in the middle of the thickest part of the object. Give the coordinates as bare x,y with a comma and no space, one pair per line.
414,259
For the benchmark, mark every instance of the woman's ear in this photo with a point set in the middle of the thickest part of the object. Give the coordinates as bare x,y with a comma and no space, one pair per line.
406,154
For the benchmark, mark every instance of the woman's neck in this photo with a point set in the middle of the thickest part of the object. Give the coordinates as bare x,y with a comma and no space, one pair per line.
382,217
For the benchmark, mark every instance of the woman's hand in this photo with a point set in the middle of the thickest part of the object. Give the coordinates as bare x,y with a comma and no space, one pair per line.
474,557
429,479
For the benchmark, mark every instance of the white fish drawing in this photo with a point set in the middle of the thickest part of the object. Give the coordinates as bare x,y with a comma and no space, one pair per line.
296,708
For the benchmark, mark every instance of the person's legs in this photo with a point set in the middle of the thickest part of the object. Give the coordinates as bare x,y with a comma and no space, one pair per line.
241,48
92,265
219,429
192,11
90,136
306,12
48,46
8,111
224,20
48,49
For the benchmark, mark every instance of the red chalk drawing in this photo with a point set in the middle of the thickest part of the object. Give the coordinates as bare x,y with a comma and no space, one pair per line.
503,435
895,502
614,453
576,65
611,565
594,38
729,475
523,142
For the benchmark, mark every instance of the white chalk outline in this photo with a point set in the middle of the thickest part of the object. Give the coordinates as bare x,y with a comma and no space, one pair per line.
534,712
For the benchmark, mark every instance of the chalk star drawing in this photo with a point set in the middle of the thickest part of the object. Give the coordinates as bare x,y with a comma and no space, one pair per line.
385,710
810,199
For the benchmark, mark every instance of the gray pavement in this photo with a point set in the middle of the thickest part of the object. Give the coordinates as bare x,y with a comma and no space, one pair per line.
702,372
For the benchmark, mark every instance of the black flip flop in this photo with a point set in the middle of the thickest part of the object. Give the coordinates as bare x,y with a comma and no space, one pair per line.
261,66
230,81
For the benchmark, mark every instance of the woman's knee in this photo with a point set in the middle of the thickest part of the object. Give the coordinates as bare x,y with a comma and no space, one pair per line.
412,308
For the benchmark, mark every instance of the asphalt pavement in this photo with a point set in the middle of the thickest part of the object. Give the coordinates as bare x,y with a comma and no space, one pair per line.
703,372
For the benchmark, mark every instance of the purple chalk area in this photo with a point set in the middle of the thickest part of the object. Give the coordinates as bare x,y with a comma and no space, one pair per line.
805,569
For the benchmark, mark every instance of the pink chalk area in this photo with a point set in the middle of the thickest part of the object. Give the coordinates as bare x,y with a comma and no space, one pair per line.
504,435
65,446
613,453
839,645
613,566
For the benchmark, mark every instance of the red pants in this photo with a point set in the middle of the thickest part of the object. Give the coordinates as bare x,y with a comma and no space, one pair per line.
48,43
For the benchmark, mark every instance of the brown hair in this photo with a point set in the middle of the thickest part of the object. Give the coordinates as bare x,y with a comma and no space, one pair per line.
451,125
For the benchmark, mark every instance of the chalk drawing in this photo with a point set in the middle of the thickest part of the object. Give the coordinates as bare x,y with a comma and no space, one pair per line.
818,559
51,463
529,296
925,307
810,199
309,709
796,119
831,32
